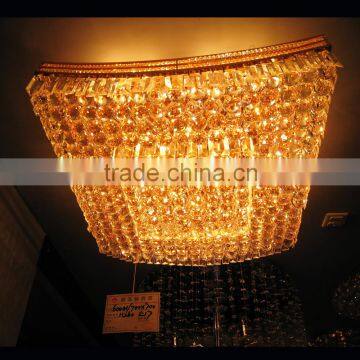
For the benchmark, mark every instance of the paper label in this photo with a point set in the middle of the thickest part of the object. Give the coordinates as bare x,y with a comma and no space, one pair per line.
138,312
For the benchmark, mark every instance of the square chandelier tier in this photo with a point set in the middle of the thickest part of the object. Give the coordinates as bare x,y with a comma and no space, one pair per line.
270,102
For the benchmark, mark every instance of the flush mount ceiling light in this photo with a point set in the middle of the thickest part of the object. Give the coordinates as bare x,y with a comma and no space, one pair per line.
270,102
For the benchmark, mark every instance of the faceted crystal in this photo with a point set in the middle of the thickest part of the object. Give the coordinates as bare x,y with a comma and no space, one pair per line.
274,108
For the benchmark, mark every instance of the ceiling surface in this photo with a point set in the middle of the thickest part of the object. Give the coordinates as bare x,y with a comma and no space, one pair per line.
321,259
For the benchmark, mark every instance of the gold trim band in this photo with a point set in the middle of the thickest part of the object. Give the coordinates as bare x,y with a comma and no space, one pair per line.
184,65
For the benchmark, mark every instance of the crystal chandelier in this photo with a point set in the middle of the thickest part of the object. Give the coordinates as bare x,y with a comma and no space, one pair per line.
270,102
338,338
346,299
249,304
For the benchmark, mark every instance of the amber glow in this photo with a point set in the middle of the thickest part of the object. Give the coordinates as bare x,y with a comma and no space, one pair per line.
263,103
